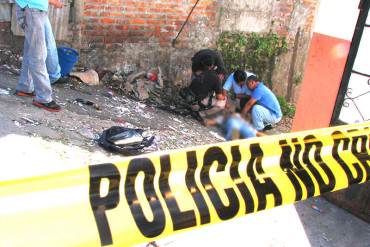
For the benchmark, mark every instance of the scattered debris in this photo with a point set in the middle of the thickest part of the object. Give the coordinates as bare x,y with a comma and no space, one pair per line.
12,69
89,103
325,237
160,77
24,121
88,133
141,91
316,208
151,75
128,88
120,120
176,120
90,77
109,94
216,135
4,91
131,78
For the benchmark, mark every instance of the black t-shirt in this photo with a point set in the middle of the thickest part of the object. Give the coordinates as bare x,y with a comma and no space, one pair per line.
206,84
198,57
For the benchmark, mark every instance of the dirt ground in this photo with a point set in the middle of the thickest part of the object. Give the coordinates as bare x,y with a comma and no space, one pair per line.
35,142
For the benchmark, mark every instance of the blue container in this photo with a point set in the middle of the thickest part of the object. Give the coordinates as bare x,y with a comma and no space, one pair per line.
68,57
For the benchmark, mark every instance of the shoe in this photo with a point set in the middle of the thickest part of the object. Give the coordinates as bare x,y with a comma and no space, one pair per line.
24,94
267,127
61,80
51,106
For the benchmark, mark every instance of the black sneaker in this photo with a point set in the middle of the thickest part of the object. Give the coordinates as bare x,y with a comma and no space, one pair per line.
267,127
61,80
51,106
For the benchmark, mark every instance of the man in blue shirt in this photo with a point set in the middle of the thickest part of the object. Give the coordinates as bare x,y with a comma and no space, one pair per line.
39,54
263,104
237,82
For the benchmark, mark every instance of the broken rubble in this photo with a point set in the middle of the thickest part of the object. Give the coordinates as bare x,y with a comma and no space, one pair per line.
89,77
140,90
131,78
160,78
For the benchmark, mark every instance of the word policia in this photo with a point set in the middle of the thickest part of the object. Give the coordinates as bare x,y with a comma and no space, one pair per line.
231,180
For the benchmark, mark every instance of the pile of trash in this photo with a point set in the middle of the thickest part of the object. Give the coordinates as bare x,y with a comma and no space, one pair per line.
149,87
141,85
10,61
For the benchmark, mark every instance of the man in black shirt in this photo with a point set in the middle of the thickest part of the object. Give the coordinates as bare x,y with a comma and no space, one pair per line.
199,58
204,84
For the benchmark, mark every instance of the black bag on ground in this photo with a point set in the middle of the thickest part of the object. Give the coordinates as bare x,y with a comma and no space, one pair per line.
123,140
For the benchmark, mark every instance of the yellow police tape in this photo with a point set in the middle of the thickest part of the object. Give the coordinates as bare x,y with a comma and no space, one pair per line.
152,196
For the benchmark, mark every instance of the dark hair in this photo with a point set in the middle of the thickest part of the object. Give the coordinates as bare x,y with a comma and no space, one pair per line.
240,75
207,60
252,78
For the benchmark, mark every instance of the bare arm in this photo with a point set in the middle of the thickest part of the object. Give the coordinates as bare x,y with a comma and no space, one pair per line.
248,106
241,95
56,3
209,122
259,134
220,96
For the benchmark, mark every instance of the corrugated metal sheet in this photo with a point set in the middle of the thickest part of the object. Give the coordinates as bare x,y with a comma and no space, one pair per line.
58,18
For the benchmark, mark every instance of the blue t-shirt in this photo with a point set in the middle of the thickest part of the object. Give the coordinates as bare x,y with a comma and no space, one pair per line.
231,83
34,4
267,99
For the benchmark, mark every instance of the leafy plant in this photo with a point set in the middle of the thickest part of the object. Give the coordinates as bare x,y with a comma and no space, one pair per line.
287,108
298,79
252,51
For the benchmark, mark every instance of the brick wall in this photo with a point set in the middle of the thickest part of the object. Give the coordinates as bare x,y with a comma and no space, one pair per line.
133,21
286,12
137,34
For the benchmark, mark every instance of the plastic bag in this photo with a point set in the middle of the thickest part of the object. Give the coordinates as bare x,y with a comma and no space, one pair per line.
123,140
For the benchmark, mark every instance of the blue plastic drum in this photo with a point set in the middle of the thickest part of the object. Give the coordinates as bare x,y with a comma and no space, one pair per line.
68,57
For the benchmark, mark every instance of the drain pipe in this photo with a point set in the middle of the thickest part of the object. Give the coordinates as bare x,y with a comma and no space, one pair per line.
183,25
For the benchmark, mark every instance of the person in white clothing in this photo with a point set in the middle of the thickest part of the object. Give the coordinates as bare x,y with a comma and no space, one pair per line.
237,82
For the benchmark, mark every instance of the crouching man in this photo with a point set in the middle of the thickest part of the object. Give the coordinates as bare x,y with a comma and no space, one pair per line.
205,90
263,104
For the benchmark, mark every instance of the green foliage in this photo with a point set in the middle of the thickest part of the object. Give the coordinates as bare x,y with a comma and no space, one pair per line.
251,51
288,109
298,79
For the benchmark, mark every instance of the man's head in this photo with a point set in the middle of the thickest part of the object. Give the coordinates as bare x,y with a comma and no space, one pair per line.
252,82
240,76
208,62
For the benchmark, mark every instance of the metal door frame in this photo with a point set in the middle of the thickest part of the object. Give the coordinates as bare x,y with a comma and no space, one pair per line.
364,7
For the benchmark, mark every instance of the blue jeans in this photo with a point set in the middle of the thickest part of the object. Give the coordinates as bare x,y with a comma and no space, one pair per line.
40,66
239,124
262,116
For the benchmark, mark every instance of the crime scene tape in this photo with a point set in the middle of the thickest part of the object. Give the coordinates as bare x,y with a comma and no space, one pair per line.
151,196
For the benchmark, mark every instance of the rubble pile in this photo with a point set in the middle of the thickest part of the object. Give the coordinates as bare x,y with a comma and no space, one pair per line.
149,87
10,61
